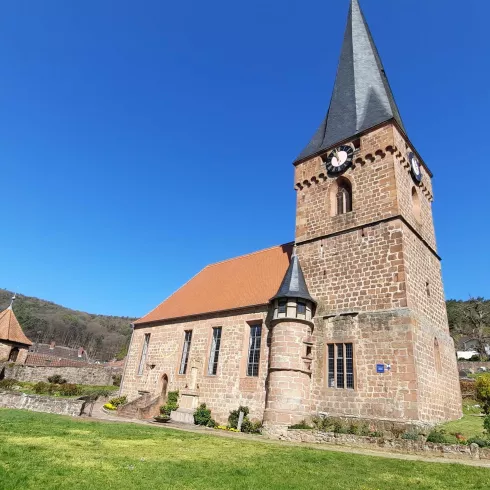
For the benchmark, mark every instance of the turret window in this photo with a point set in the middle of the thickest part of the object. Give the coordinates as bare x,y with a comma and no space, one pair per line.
340,366
282,306
300,308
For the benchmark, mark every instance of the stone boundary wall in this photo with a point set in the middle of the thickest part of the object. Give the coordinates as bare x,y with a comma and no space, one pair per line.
453,451
473,366
38,403
93,375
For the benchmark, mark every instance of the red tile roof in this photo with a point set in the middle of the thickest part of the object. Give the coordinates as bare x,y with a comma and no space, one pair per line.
10,328
44,360
249,280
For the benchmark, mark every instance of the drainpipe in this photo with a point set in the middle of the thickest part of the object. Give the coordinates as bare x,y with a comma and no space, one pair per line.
127,359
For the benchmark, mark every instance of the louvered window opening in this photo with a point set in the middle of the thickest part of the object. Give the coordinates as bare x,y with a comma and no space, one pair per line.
344,199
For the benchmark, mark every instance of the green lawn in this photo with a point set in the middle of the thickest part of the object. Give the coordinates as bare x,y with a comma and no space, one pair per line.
42,451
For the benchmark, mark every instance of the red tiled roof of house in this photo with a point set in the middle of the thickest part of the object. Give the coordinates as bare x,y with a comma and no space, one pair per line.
10,328
249,280
34,359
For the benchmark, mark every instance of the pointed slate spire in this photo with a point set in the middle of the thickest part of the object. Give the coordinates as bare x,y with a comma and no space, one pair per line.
362,96
294,285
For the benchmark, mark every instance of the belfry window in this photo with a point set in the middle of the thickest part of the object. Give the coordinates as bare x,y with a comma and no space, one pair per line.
344,197
144,354
185,352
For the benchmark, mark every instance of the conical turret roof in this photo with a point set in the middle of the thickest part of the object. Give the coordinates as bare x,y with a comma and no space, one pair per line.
10,328
294,285
362,97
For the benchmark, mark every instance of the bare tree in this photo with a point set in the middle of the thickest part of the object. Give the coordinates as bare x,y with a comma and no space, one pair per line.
477,315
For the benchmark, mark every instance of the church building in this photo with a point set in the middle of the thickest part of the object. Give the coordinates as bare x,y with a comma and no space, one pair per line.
349,319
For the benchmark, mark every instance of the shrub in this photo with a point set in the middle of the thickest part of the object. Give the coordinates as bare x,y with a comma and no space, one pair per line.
119,400
41,387
353,429
235,414
116,379
202,416
410,436
323,424
251,427
339,428
171,405
437,436
57,379
301,425
482,388
7,384
479,441
69,389
486,424
110,406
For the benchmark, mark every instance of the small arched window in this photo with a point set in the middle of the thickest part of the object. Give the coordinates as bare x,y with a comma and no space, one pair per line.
416,205
344,196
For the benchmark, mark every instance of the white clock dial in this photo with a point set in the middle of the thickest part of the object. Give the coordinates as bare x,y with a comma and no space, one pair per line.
340,159
415,166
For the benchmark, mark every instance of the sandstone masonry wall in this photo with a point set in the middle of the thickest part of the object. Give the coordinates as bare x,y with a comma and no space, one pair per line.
38,403
84,375
225,391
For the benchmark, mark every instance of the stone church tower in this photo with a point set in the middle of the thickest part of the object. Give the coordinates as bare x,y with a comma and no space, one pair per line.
380,340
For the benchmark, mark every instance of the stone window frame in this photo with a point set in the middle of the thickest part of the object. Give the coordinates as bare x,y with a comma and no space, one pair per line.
335,343
181,350
144,353
245,345
209,347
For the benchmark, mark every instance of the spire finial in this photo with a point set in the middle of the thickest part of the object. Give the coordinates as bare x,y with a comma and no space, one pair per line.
12,301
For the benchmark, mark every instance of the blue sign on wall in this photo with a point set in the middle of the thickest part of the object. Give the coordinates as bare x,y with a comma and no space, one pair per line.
380,368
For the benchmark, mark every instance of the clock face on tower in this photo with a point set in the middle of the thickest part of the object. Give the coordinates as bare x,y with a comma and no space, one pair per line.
339,159
415,167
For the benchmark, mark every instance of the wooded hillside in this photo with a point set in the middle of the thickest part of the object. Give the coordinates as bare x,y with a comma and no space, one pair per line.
103,337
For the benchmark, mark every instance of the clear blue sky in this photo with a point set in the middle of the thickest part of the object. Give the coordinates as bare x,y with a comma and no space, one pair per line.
141,141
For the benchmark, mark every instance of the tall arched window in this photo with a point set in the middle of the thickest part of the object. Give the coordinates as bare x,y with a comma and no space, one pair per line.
344,196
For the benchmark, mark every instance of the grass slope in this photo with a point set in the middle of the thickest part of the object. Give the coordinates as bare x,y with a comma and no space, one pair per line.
48,451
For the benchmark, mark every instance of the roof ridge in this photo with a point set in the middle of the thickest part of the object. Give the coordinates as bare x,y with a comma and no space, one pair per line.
249,254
